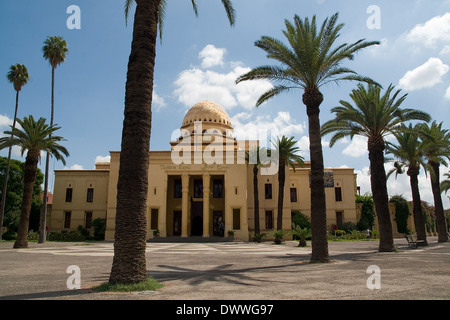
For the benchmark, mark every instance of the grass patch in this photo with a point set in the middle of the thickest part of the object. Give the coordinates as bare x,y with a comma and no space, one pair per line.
149,285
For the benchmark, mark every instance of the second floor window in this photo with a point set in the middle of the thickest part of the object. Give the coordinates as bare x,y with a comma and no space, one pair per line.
69,194
90,195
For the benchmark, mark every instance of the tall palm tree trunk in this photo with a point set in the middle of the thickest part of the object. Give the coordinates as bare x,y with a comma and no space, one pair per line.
281,182
129,264
256,199
8,164
417,205
42,225
30,170
380,195
438,206
312,99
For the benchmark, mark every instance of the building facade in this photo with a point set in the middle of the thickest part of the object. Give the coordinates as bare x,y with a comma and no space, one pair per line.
202,186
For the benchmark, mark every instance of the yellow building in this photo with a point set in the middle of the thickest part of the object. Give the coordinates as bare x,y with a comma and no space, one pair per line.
202,186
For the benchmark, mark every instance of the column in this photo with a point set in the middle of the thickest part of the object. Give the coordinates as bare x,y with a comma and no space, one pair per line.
162,216
184,204
206,183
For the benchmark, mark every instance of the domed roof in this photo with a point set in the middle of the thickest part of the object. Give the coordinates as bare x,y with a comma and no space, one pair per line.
207,112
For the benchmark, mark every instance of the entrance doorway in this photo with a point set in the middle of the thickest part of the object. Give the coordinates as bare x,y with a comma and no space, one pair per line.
177,223
218,224
197,218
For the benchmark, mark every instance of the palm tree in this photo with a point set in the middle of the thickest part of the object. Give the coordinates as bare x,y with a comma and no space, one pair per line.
409,151
254,156
287,156
129,265
437,152
34,137
445,185
311,62
374,116
55,51
18,76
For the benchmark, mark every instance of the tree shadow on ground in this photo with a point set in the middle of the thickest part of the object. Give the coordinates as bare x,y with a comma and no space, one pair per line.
225,273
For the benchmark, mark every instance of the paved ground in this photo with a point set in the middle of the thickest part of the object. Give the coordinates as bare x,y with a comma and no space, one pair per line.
233,271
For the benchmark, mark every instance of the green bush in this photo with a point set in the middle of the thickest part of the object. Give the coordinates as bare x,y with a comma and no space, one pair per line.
259,236
66,236
9,235
278,235
99,228
33,236
347,227
302,234
402,213
299,219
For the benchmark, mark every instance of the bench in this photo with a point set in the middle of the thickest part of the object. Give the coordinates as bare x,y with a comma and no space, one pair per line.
413,243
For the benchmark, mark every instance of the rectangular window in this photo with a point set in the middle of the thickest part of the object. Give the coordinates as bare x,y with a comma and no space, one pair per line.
236,219
198,188
90,195
88,219
293,194
268,190
67,218
269,220
339,218
69,194
338,193
154,219
218,188
177,188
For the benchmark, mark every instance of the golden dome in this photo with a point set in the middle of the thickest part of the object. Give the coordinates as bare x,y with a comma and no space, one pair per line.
209,113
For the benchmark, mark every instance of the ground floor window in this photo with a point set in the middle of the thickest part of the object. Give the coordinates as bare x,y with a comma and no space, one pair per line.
154,219
67,218
88,219
269,219
236,219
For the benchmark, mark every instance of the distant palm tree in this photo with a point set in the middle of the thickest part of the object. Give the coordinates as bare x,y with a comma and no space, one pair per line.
445,185
55,51
18,76
129,265
287,157
310,61
374,116
437,152
409,151
253,156
34,137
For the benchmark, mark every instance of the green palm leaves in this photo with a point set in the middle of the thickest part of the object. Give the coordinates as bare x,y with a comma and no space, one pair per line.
18,76
310,60
55,50
374,115
35,137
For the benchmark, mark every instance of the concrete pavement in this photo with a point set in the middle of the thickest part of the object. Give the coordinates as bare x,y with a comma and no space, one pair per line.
233,271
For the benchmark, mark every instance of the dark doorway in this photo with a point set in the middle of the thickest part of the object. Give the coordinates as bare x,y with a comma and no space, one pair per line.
177,223
196,218
218,224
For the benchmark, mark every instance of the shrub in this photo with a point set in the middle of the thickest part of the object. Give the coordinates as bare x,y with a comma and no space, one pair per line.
347,226
301,234
299,219
32,235
99,228
279,235
402,213
9,235
258,237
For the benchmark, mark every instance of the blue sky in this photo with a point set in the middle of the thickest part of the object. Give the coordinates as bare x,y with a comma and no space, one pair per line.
199,58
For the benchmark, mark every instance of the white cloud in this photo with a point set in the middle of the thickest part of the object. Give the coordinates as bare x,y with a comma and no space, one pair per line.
74,167
264,127
197,84
424,76
447,94
303,144
211,56
158,102
102,159
434,30
357,147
